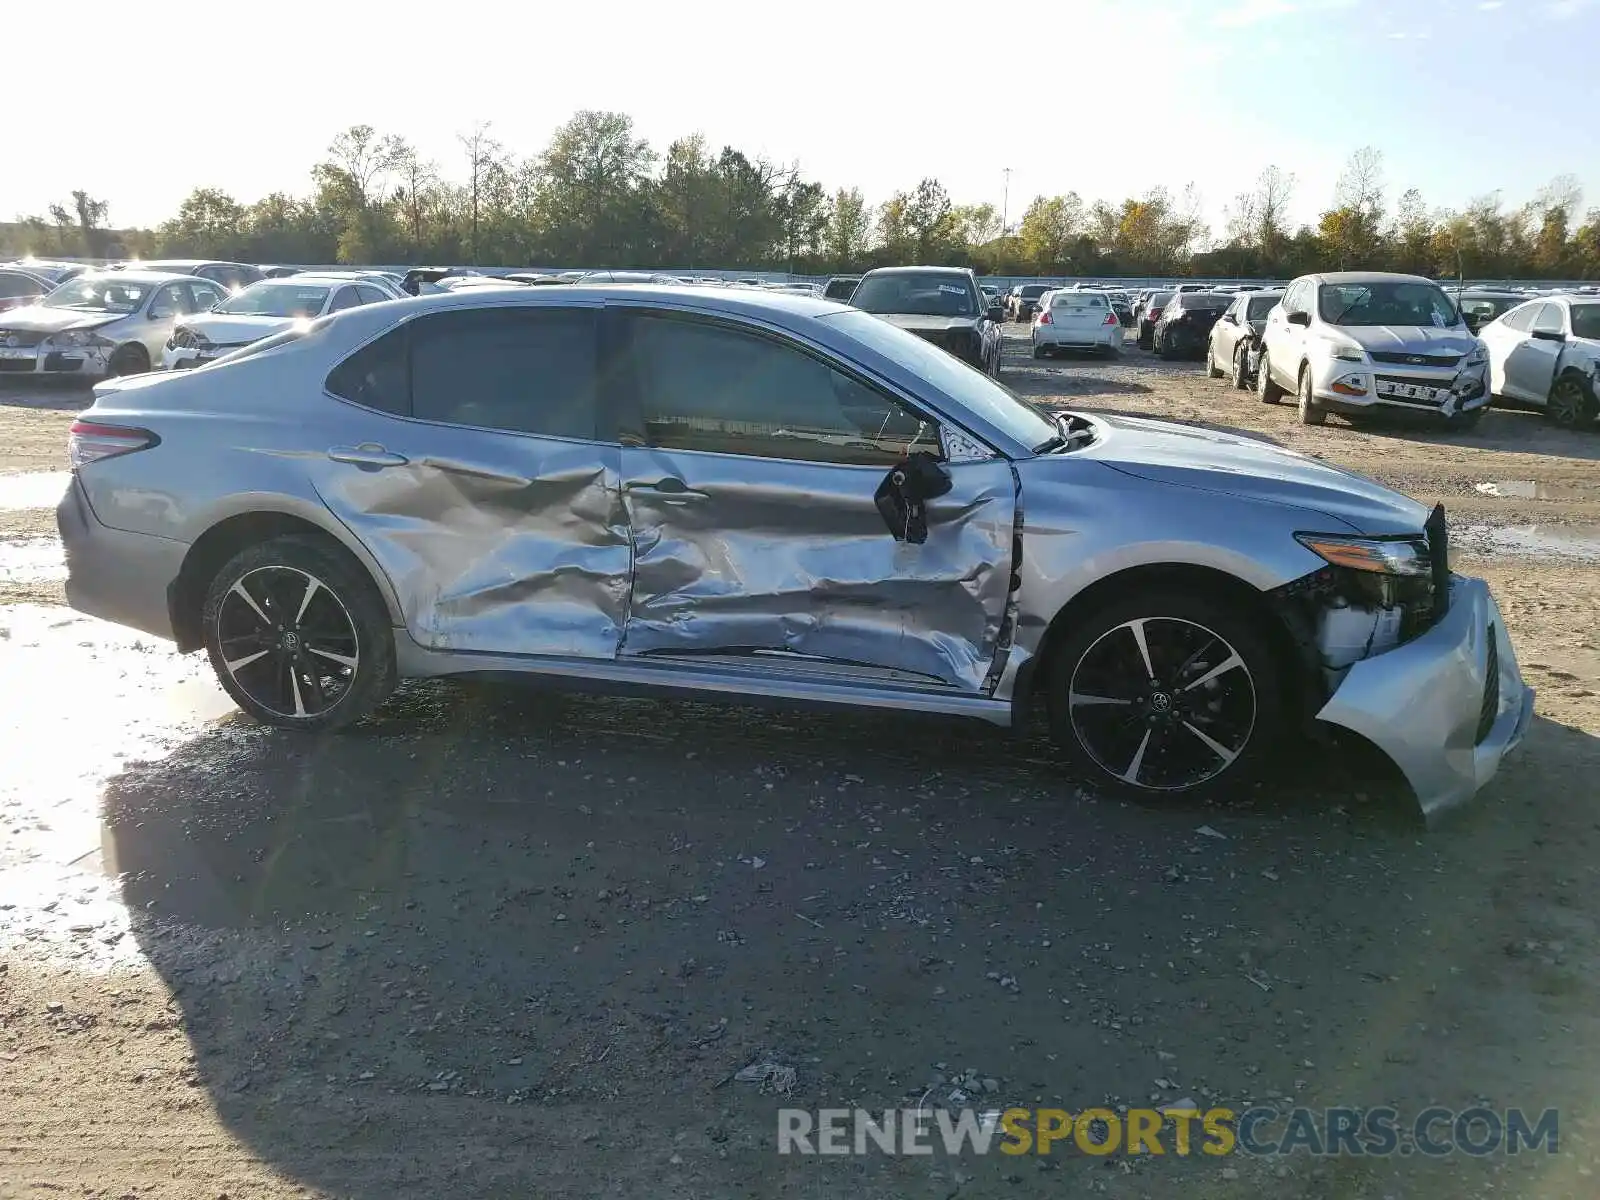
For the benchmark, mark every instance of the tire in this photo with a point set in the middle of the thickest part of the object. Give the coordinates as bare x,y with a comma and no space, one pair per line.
1101,664
1212,370
1266,390
340,627
1166,351
1570,403
1146,338
1467,420
128,360
1310,414
1038,351
1241,376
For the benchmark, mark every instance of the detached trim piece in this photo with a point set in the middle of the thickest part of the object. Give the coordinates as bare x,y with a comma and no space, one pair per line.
1439,552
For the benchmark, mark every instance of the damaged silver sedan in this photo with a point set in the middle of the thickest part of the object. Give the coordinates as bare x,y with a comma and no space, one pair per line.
712,491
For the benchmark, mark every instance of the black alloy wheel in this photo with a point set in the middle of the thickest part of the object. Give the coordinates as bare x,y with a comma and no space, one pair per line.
298,636
1166,695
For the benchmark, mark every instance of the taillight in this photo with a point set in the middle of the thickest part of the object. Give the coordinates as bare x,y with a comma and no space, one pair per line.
1111,319
1044,317
88,441
1152,314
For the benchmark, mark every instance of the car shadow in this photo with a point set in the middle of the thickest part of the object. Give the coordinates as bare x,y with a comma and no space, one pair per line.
1516,431
494,918
45,392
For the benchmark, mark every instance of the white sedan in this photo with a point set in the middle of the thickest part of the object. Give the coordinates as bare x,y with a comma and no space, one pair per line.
1546,354
1075,321
263,309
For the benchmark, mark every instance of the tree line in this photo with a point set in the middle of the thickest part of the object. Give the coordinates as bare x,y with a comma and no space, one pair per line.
599,194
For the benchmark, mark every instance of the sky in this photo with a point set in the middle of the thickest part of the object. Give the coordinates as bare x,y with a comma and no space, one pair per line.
1106,98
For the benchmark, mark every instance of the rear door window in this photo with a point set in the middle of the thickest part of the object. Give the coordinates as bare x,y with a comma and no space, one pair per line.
520,369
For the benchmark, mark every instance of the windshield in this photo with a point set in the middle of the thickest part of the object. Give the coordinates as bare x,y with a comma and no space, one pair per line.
979,394
916,293
1489,307
840,289
1386,302
1260,306
1204,302
1586,320
1032,291
100,294
1161,297
275,300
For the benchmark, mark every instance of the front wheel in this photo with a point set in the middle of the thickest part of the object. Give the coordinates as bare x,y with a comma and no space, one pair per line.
1310,412
1241,372
298,635
1165,694
1569,404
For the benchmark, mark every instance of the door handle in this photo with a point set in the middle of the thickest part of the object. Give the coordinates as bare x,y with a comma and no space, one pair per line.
669,489
367,454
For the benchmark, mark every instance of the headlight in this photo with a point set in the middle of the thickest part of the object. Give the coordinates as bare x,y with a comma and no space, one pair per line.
71,337
1385,556
1347,351
1478,357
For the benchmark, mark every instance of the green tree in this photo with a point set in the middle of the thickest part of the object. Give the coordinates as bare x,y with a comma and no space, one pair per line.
849,229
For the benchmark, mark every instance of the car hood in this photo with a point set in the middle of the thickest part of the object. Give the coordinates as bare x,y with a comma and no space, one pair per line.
924,325
1423,339
224,329
39,319
1239,466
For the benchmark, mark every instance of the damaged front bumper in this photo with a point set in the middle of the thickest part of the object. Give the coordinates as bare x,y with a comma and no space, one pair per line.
1445,706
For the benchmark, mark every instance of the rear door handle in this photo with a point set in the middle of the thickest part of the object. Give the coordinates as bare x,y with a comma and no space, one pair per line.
367,454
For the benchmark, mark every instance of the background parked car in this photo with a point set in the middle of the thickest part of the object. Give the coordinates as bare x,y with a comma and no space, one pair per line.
1185,324
1546,354
1235,339
1480,305
1358,342
1023,301
1075,321
231,276
261,310
1147,314
943,305
55,272
101,323
19,287
839,288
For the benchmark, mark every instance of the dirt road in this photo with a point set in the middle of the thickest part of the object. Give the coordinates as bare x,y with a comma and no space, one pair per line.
501,943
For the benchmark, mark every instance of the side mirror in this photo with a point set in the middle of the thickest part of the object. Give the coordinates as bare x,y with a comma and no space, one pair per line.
1549,335
1302,319
997,313
902,497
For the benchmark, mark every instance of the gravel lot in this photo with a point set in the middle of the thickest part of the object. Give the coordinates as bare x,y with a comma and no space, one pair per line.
503,943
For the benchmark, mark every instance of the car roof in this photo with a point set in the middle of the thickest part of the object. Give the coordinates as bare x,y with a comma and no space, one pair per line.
919,271
140,276
753,302
1369,277
325,277
155,264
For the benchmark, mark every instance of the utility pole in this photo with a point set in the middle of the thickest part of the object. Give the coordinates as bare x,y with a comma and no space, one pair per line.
1005,201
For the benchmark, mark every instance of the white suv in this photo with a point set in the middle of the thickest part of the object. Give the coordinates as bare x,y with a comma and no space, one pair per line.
1356,342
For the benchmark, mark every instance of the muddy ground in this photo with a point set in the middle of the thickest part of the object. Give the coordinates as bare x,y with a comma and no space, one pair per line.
505,943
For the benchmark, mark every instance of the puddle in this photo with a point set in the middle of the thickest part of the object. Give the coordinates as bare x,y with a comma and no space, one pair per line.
1569,543
90,699
1538,489
32,560
32,489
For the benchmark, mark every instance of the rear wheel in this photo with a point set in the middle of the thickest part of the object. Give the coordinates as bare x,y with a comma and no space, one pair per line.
1310,413
298,636
1038,351
1212,370
1164,694
1266,390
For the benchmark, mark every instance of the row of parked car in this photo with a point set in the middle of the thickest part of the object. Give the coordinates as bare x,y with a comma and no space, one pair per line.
1360,342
